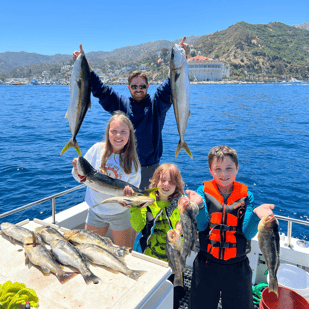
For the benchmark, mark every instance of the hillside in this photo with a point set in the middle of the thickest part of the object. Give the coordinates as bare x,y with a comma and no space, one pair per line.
302,26
275,50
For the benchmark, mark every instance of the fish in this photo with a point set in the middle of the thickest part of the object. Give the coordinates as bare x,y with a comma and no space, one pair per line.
79,102
48,233
188,211
139,201
100,256
68,255
16,232
269,243
88,237
40,256
102,183
174,252
180,97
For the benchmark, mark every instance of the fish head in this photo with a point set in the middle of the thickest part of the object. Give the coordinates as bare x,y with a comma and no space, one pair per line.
173,237
6,226
84,168
178,56
267,222
183,204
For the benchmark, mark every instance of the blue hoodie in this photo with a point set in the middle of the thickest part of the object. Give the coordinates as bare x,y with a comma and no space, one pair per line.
147,116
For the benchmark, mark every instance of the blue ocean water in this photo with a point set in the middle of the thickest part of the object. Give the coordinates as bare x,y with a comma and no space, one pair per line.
267,124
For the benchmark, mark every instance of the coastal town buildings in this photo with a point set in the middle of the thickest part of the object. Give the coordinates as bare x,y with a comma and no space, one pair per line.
207,69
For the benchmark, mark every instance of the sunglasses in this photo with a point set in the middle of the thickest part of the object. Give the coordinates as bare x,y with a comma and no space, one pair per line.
134,87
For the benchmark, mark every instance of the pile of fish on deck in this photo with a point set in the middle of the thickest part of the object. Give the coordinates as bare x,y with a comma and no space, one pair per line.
73,248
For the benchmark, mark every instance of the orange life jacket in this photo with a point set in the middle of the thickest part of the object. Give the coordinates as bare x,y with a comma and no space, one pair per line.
223,239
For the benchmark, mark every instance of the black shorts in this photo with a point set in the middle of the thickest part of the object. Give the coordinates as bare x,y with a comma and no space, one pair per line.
234,281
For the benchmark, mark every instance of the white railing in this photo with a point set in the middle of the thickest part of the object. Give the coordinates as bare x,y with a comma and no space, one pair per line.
52,197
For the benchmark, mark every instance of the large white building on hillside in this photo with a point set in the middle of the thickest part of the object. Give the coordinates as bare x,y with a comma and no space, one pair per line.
207,69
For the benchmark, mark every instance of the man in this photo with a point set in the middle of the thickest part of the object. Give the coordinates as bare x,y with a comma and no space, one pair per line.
146,113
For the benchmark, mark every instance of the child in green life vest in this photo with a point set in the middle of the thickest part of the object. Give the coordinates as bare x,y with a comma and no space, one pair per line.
155,220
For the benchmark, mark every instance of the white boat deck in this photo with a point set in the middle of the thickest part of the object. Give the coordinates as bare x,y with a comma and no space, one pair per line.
115,291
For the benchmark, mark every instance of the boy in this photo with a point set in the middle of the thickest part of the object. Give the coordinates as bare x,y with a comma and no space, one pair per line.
226,224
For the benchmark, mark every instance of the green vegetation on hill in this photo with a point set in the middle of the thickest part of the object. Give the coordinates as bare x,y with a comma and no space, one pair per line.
273,50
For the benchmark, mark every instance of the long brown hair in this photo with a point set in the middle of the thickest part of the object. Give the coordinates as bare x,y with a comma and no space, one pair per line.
128,154
175,178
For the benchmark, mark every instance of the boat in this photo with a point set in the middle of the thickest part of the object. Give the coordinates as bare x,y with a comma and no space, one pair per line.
152,290
17,83
34,82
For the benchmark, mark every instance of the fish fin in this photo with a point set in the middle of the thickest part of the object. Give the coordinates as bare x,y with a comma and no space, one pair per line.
189,115
183,145
176,76
90,277
114,271
273,287
135,274
46,271
178,280
66,115
148,191
66,276
79,83
70,144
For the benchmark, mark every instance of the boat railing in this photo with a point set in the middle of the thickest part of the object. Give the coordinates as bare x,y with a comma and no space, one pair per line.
289,229
53,198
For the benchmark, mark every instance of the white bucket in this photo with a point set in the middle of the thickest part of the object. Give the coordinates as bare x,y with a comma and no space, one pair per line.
294,278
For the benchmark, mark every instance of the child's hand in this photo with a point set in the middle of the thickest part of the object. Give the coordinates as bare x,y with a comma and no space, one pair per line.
74,161
128,191
264,210
194,197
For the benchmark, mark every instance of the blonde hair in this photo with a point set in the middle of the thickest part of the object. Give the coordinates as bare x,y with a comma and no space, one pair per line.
128,154
175,178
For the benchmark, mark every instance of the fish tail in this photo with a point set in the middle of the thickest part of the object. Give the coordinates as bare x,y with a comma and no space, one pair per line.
136,274
70,144
183,145
273,286
148,191
90,277
66,276
178,280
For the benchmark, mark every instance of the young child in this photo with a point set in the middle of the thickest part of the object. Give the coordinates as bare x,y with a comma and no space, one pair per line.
153,222
226,223
116,157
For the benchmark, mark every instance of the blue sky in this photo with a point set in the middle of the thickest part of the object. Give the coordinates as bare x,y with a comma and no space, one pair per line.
51,27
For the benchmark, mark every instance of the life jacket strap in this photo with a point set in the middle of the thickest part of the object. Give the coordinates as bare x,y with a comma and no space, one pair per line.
222,244
222,227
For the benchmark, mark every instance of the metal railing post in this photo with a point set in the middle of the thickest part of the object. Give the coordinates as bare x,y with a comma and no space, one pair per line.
289,233
54,210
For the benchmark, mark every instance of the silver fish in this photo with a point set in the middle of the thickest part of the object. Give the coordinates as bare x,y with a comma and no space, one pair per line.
188,211
48,233
269,243
134,201
89,237
40,256
180,85
174,252
67,254
79,103
100,182
100,256
17,232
